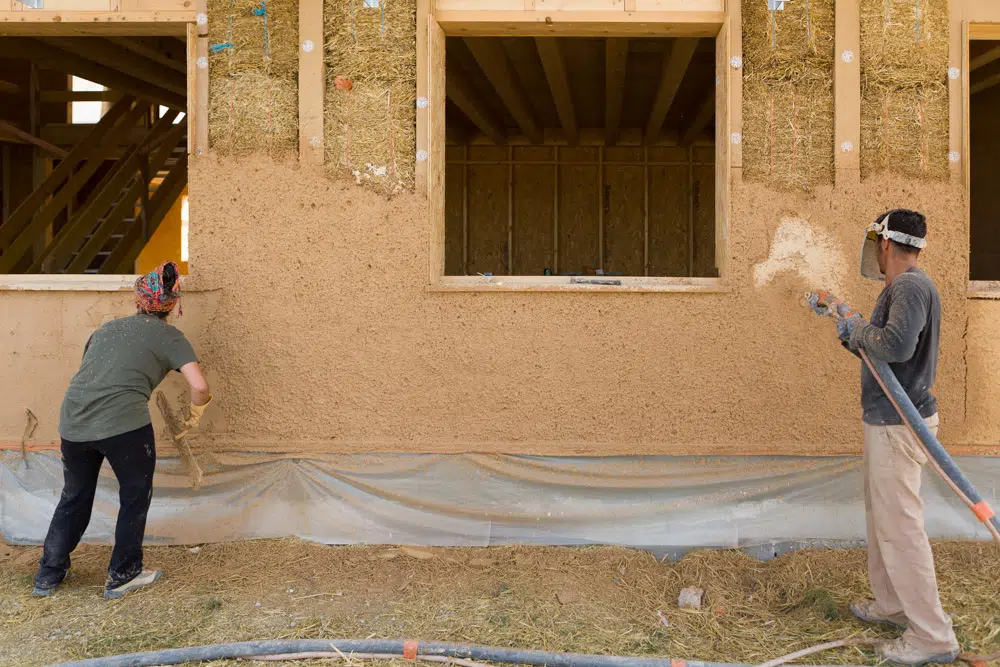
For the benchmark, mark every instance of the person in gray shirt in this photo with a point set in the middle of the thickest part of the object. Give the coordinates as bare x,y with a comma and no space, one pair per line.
904,332
105,415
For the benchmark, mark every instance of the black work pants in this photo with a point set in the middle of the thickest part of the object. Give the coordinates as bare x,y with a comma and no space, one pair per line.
132,457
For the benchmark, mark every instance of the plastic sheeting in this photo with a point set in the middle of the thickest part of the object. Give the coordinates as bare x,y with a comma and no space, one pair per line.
664,503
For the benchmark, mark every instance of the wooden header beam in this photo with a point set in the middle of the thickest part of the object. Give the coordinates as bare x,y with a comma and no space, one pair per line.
39,22
490,23
554,64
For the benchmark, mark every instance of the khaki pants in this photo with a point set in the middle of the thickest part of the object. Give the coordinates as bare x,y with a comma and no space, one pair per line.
900,563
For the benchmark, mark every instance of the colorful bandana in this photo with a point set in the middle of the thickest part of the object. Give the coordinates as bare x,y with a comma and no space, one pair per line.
151,295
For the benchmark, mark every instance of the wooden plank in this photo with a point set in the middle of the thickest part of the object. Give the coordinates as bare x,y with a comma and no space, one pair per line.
67,96
154,5
675,64
112,56
692,130
13,130
436,86
86,149
145,50
101,24
63,61
454,232
685,5
492,59
964,140
312,82
489,23
554,64
200,122
201,17
422,145
847,92
464,95
722,146
71,134
734,79
191,47
615,64
984,30
76,5
579,5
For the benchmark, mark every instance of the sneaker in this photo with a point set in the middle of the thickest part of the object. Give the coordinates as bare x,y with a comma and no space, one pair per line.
144,578
865,611
901,652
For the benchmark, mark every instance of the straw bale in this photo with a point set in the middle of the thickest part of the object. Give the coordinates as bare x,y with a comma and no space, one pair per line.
375,48
788,93
788,132
905,131
234,22
904,96
251,111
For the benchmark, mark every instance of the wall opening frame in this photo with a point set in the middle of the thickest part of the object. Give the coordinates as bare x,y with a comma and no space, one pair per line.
709,20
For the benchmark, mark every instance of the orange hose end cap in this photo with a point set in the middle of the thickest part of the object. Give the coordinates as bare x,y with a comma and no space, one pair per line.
674,662
410,649
983,511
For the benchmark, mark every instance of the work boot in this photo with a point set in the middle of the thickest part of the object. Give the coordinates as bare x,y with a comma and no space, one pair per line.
901,652
865,611
144,578
46,587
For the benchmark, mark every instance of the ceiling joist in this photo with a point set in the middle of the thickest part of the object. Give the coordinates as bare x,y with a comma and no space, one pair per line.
461,91
147,49
492,59
675,64
704,115
554,64
115,57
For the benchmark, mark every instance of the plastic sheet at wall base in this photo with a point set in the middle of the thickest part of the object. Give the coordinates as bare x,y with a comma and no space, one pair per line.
659,502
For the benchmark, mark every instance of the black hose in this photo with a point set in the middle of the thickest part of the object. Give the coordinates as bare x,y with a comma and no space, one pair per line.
177,656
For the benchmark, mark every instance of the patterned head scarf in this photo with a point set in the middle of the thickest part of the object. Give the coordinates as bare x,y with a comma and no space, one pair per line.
152,296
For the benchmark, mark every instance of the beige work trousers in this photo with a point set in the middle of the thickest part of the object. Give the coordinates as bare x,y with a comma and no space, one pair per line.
900,563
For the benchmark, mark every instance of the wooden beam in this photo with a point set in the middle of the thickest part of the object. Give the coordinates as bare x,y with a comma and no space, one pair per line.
675,64
312,81
583,23
984,59
13,130
105,53
465,97
436,86
67,96
492,59
71,134
145,49
984,84
9,88
423,103
703,117
201,66
723,166
615,63
847,92
22,47
987,27
554,64
100,24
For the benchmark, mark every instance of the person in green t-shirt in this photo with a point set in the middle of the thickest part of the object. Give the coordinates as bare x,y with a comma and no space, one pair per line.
105,415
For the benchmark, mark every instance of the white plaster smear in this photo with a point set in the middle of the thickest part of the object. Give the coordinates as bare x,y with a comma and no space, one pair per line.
811,253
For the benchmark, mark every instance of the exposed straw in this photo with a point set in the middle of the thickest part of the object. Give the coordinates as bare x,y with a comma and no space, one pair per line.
788,93
278,54
371,129
250,111
904,105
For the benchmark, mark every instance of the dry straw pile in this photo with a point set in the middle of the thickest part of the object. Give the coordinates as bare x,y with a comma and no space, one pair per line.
253,100
904,92
788,93
371,116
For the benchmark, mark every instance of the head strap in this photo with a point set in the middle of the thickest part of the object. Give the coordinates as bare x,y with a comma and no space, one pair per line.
882,229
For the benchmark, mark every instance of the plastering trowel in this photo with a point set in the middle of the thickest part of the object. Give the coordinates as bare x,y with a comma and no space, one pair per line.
175,429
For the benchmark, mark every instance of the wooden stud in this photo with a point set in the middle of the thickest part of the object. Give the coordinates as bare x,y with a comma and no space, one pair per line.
734,77
675,64
420,167
202,10
312,82
615,64
436,86
510,210
645,210
702,118
600,207
107,54
555,212
191,47
465,211
21,47
143,50
847,92
5,185
722,146
492,59
583,23
963,131
464,95
554,64
200,122
958,47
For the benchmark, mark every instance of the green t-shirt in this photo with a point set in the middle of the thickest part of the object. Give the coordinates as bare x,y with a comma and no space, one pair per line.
123,363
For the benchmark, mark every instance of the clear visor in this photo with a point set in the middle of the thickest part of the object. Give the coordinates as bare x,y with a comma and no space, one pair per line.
869,257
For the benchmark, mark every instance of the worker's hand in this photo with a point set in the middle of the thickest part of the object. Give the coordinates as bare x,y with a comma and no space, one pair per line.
820,303
194,418
846,325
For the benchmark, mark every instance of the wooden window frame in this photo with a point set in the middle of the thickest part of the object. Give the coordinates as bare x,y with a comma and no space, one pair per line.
495,23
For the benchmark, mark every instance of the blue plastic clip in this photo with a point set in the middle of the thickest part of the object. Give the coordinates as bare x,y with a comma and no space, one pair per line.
215,48
261,9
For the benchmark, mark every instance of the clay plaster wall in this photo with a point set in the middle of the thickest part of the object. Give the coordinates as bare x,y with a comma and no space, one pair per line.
308,301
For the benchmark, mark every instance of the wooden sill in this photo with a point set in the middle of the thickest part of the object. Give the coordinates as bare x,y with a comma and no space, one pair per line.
70,283
984,289
565,284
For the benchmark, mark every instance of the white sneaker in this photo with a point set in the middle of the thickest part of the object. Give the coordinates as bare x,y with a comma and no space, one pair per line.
144,578
901,652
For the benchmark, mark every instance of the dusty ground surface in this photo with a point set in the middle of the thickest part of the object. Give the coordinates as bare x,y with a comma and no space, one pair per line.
603,600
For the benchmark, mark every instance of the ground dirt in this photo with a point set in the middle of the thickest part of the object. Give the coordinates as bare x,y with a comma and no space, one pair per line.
602,600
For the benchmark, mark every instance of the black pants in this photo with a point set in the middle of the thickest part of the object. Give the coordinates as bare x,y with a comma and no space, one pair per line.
132,457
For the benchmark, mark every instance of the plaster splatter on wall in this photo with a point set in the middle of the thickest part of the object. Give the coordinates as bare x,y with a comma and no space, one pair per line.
798,247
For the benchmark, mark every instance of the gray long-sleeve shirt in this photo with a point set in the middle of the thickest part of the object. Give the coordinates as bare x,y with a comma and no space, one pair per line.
904,332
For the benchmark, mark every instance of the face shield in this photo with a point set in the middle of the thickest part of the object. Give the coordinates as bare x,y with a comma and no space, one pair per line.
869,246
